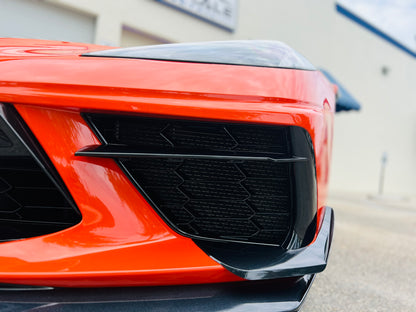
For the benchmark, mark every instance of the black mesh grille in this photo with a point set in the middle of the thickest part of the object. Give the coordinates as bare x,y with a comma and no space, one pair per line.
30,203
233,199
181,134
216,198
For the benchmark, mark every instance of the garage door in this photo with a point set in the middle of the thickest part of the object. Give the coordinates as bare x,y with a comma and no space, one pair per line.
40,20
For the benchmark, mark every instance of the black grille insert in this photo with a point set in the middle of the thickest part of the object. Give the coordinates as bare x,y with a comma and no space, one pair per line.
31,203
214,198
210,180
173,135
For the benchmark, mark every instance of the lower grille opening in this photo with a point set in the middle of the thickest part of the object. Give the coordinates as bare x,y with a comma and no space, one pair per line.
31,204
221,199
210,180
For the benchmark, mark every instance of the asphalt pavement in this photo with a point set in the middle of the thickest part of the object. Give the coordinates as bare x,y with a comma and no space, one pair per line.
372,265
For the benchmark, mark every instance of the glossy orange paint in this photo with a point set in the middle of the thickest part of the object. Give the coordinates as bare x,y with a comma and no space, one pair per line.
121,241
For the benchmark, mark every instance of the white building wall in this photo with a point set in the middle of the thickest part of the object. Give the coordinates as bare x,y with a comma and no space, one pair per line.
387,121
38,19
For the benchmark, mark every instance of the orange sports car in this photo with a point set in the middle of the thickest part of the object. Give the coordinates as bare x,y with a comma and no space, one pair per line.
195,173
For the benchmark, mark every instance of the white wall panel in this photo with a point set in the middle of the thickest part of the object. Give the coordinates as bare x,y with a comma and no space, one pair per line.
39,20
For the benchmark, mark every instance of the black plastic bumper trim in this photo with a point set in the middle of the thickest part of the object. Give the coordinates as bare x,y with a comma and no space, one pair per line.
112,151
270,262
274,295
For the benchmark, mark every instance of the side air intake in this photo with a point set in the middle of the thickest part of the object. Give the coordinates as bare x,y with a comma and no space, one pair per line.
215,180
32,200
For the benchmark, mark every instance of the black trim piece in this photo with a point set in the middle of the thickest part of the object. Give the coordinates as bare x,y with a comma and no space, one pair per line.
26,148
257,53
114,151
304,188
15,287
266,262
271,295
11,146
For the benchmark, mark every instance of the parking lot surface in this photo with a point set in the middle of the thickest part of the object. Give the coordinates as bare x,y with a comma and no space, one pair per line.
372,265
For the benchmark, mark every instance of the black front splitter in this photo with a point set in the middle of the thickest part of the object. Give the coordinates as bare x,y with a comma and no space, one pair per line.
265,296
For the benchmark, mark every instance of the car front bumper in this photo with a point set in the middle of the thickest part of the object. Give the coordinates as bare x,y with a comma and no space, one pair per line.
283,294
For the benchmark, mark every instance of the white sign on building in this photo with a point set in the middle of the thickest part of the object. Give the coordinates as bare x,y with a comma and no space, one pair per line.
222,13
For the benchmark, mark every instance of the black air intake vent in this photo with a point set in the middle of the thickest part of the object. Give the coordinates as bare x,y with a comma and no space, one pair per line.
209,180
31,204
174,135
217,198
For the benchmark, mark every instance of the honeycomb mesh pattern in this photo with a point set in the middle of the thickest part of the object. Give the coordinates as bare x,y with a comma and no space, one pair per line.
32,199
30,204
239,200
183,134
